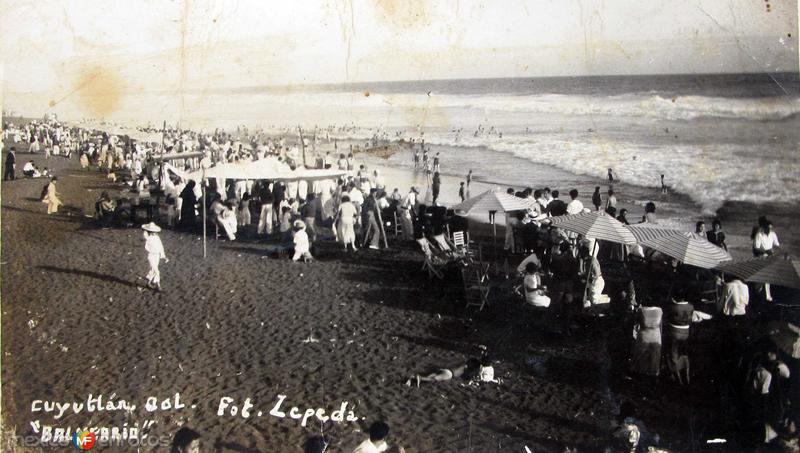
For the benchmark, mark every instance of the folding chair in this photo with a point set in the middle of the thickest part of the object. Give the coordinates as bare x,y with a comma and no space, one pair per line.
398,227
458,240
433,263
476,286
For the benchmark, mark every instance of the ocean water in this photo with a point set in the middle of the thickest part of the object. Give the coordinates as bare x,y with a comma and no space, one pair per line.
716,138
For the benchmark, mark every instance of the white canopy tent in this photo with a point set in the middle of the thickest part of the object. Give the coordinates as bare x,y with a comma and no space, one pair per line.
269,168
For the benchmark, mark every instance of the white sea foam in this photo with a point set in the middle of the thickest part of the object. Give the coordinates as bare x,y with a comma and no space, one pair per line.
646,105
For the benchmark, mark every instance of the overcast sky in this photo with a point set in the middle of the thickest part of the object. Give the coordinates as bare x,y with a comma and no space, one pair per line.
61,47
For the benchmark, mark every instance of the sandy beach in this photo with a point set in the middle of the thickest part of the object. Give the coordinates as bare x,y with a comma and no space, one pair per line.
245,323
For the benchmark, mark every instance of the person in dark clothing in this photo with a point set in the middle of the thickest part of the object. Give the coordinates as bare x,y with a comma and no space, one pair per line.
436,185
556,207
461,193
564,267
679,320
11,165
716,236
623,216
597,201
188,205
421,222
278,193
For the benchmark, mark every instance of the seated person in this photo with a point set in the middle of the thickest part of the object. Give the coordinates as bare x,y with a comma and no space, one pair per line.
105,207
534,290
224,216
29,169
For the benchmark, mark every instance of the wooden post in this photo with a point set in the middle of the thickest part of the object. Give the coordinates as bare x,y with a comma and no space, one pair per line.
161,169
380,222
203,183
302,144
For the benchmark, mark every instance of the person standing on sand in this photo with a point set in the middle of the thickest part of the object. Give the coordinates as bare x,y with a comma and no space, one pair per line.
610,177
700,228
436,163
765,241
155,253
346,218
664,190
11,165
611,201
407,208
716,236
469,177
575,206
649,213
597,201
461,192
435,187
51,197
302,247
416,159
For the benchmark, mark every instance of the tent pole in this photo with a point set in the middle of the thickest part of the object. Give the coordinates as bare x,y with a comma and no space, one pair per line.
303,144
204,214
380,222
161,169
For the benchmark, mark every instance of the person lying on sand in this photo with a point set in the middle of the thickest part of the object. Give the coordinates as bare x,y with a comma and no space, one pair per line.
471,370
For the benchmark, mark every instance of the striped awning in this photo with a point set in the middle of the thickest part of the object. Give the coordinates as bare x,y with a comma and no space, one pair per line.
649,231
688,248
492,200
776,270
595,224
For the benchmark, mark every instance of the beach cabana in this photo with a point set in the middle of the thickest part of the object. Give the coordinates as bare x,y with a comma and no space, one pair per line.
270,168
775,270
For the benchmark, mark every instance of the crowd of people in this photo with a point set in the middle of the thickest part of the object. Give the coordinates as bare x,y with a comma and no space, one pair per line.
655,302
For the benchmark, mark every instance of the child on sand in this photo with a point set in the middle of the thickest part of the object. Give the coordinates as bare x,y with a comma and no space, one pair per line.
155,252
51,197
301,244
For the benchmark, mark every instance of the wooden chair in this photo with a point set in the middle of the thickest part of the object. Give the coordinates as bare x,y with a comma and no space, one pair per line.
434,262
458,240
476,285
398,227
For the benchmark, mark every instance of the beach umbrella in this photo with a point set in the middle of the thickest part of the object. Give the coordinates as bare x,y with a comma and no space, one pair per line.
595,224
775,270
650,231
688,248
492,200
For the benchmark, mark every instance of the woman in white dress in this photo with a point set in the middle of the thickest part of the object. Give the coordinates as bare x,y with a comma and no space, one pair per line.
534,291
346,222
224,216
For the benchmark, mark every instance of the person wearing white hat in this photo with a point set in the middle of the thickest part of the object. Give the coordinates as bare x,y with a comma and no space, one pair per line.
155,252
301,244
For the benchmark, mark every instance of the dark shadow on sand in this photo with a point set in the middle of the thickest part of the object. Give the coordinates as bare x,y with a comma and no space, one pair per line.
90,274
